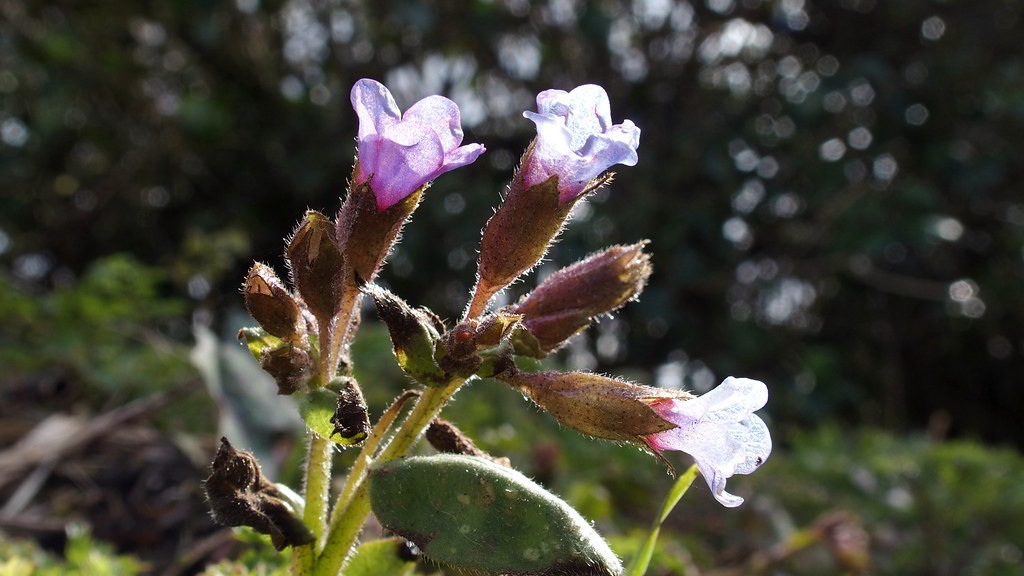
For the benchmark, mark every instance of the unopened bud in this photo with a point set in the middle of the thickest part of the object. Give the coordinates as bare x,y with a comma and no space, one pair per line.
351,421
290,366
477,345
317,265
445,437
596,405
516,237
271,304
414,332
472,335
367,233
568,300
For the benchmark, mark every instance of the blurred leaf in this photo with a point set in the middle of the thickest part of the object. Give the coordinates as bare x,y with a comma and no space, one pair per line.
473,514
377,557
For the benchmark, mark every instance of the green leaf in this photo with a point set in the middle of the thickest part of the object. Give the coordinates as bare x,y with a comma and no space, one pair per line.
639,564
476,515
317,409
258,340
377,557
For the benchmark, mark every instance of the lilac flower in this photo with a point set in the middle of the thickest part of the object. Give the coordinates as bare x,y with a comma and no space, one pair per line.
720,431
576,140
400,153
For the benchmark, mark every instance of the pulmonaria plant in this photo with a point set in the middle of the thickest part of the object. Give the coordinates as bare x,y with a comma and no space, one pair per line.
434,501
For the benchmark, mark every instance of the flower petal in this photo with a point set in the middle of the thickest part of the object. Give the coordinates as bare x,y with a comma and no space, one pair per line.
576,140
408,155
720,432
375,107
462,156
443,116
731,401
589,113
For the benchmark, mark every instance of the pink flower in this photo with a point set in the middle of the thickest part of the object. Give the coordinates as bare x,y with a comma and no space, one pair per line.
400,153
720,431
576,140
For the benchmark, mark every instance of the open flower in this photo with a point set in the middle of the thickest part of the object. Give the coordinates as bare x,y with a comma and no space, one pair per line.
576,140
400,153
720,431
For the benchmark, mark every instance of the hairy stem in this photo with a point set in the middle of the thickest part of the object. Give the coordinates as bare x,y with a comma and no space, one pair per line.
347,522
343,333
377,435
318,470
481,296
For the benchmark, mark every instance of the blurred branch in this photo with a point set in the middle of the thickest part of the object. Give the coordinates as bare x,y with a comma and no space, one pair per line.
59,435
861,268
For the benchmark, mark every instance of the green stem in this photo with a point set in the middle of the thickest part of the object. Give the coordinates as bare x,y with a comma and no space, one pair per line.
342,329
639,565
347,519
333,338
318,462
377,435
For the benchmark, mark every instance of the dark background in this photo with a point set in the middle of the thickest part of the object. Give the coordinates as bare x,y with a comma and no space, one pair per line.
831,190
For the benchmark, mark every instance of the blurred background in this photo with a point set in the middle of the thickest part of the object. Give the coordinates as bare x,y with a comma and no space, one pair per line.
831,190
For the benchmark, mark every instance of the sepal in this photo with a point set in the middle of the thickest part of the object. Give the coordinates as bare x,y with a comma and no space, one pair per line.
271,304
414,335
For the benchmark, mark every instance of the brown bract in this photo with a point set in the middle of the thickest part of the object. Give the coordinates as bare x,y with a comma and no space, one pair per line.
270,302
239,495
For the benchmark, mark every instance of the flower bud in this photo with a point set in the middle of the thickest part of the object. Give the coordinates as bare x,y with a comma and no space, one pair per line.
317,265
414,334
596,405
271,304
568,300
446,438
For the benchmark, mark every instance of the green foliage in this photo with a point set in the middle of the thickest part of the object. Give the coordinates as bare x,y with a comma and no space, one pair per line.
950,508
258,559
471,513
101,329
83,556
379,557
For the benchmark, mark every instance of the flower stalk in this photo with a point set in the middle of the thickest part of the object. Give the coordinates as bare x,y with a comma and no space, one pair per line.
348,517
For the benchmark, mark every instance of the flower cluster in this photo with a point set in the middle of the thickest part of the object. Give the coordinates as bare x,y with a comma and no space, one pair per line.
308,323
